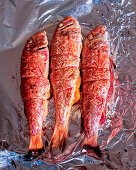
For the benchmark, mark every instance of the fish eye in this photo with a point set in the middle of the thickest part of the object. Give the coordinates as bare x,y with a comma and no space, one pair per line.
30,41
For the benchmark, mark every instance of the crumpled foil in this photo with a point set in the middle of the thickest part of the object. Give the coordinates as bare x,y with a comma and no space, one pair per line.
117,137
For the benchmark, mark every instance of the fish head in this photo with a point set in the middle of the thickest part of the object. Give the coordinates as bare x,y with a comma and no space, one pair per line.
69,25
98,32
36,42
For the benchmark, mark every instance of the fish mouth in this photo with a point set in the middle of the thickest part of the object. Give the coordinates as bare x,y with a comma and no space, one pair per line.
37,42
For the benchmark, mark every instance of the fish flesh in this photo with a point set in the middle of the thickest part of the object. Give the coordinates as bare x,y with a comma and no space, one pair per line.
65,78
35,87
97,84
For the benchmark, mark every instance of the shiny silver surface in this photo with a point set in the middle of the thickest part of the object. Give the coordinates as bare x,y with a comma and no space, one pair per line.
117,137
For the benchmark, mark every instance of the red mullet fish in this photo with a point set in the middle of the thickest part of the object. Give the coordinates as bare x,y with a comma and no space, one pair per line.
97,84
65,78
35,85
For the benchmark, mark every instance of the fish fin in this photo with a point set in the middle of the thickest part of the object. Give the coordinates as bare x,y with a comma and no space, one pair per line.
111,89
32,154
112,64
62,144
59,137
110,92
45,108
36,142
87,145
77,91
76,96
82,124
103,117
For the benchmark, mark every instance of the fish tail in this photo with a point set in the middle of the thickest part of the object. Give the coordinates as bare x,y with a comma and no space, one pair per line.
59,137
91,144
35,110
36,142
35,147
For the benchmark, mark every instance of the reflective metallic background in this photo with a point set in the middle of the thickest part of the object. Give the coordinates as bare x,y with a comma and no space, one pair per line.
21,19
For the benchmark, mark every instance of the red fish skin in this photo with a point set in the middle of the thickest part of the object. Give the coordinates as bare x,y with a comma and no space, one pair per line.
109,96
66,47
97,83
35,85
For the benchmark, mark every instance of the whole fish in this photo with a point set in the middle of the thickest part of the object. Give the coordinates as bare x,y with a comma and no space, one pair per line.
35,85
97,84
65,78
